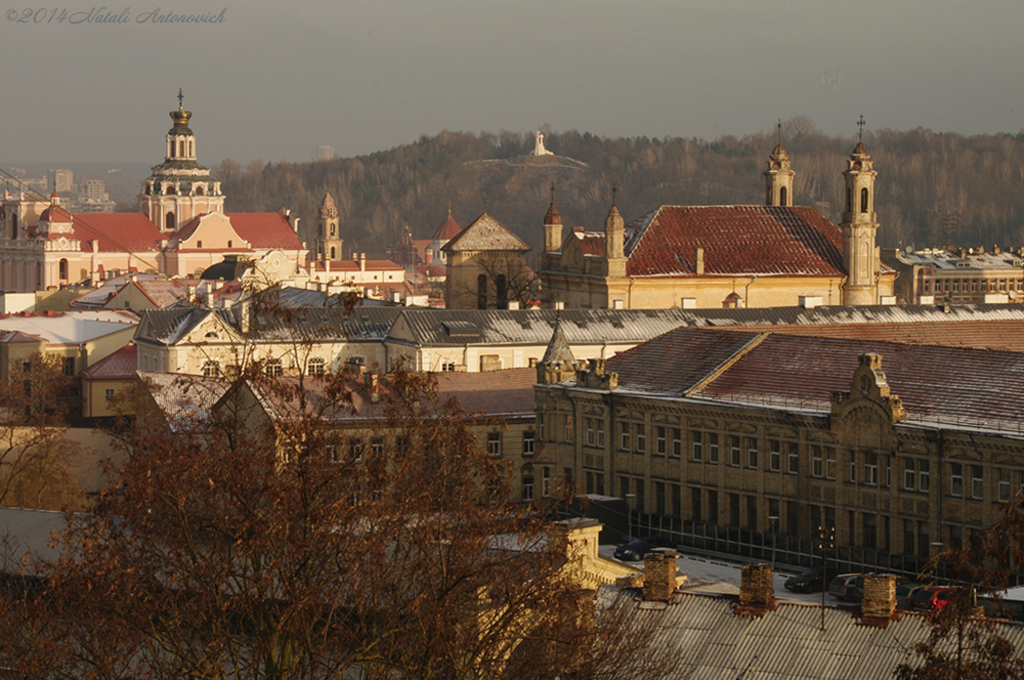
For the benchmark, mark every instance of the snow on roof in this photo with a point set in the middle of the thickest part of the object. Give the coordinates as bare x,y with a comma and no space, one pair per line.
69,328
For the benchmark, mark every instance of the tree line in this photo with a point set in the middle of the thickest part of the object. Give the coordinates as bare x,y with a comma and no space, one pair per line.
933,188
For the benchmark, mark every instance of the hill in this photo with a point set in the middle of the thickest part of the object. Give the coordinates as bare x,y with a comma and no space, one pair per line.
932,187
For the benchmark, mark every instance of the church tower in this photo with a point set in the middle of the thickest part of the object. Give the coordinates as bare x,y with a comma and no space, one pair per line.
779,177
552,228
860,257
179,188
328,236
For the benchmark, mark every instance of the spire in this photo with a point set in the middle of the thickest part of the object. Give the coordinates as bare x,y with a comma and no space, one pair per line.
552,217
779,175
558,363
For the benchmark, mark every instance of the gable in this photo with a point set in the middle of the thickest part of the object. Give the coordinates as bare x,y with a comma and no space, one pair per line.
485,233
212,231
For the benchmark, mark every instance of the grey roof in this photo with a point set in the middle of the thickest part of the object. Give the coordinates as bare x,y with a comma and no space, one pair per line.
429,327
950,260
702,636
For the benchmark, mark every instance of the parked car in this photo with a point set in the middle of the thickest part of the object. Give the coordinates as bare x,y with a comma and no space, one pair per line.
636,549
932,597
843,586
906,592
811,581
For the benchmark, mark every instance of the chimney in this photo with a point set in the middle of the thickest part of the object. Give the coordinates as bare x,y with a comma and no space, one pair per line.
700,262
879,596
370,380
756,589
362,262
995,249
659,576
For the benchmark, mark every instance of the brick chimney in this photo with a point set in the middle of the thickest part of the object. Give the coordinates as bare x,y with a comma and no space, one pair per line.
879,596
756,589
659,576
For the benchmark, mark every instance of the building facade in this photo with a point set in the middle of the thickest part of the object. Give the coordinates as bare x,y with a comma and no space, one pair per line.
962,276
731,441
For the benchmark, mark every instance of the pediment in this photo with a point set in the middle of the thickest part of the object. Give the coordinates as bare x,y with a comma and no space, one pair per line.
866,415
214,232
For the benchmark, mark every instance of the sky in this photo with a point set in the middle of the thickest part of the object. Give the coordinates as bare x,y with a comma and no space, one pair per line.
272,80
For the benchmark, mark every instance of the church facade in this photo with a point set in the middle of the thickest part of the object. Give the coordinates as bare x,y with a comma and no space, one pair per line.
180,230
724,256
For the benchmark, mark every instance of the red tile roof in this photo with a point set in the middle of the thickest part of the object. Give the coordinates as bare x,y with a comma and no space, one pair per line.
737,240
265,230
592,242
448,229
117,232
120,365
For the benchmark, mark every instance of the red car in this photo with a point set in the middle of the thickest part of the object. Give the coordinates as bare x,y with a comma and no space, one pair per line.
935,597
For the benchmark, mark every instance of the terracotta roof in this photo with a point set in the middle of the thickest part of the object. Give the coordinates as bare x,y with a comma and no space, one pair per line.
737,240
552,216
485,233
265,230
116,232
1005,335
592,242
494,393
55,213
448,229
19,336
120,365
976,388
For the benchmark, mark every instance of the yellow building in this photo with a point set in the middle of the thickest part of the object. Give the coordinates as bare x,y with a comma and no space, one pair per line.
486,268
724,256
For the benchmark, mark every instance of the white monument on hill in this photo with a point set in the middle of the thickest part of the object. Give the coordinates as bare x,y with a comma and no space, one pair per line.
538,147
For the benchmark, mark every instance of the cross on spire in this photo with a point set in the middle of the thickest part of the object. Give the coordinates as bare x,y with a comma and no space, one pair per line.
552,192
180,97
778,128
861,124
615,188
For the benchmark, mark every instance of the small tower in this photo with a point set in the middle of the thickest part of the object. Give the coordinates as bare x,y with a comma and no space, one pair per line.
552,227
558,363
328,236
859,225
779,177
179,188
615,236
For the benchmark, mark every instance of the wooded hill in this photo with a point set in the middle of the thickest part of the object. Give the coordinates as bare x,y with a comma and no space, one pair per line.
932,188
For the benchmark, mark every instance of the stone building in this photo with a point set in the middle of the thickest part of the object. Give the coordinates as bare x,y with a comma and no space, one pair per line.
726,439
731,256
961,276
486,267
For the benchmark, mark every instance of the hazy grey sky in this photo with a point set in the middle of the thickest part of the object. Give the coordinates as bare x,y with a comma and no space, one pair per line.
275,79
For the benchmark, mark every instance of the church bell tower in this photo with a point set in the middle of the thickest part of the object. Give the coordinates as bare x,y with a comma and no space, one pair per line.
859,225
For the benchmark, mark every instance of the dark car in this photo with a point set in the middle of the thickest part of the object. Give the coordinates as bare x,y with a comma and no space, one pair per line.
811,581
843,586
637,548
905,592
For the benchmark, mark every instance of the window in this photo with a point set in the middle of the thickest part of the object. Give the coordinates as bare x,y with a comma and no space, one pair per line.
316,366
734,451
494,444
752,513
641,438
661,443
977,482
69,366
355,450
108,394
923,479
595,431
568,434
677,442
527,485
695,507
774,455
713,447
830,463
448,367
481,292
625,443
377,447
697,447
909,474
817,463
641,503
402,444
712,509
871,468
274,368
869,523
659,498
751,453
545,482
864,200
211,369
908,536
956,479
677,500
528,443
1004,485
793,466
853,467
734,509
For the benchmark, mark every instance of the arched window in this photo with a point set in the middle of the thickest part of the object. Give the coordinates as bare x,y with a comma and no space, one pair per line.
190,153
199,244
211,369
229,243
849,200
333,229
181,148
169,190
199,190
62,268
501,286
169,222
14,225
274,368
481,291
149,188
864,200
783,197
333,256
